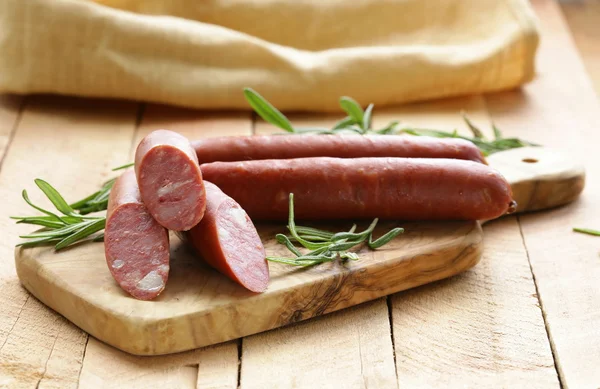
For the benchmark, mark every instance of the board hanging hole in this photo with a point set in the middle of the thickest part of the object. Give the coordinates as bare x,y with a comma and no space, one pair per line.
529,160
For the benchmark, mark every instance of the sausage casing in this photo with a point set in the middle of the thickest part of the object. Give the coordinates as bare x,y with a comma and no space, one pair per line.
245,148
387,188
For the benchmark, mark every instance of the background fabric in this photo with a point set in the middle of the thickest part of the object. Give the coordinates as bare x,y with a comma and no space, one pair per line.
301,54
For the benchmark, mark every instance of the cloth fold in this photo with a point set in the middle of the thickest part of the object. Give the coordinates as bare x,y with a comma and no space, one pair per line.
301,55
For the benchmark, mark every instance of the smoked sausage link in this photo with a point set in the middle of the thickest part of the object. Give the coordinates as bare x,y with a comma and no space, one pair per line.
170,180
387,188
227,240
245,148
135,245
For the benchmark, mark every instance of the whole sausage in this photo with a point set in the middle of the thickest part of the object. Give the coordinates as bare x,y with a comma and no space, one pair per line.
170,180
227,240
244,148
135,245
387,188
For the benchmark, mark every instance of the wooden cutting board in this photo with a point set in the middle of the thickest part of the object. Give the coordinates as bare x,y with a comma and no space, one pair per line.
200,307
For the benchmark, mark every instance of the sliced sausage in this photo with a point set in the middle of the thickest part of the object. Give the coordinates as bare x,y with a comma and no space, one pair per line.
135,245
244,148
170,180
387,188
227,240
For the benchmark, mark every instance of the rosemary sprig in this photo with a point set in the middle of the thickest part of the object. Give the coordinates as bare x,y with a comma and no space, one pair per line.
326,246
587,231
74,225
360,121
61,231
98,201
487,147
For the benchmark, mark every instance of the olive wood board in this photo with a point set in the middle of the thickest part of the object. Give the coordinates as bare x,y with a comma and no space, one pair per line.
201,307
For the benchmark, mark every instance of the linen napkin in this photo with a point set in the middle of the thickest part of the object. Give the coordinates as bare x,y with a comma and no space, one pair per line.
300,54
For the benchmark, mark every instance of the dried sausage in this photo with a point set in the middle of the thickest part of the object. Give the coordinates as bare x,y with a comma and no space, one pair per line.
244,148
136,246
387,188
228,241
170,180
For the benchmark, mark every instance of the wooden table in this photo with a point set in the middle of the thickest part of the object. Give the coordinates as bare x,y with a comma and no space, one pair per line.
527,315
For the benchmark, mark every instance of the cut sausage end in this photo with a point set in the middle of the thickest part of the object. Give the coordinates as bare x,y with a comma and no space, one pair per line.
137,251
242,247
172,188
228,241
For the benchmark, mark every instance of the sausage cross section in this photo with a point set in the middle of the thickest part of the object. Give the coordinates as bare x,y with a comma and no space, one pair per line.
136,246
387,188
244,148
170,180
228,241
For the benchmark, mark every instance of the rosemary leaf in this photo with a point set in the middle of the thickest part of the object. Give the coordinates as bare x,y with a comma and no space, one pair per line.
57,200
349,129
56,217
313,130
345,122
389,129
384,239
127,165
267,111
83,233
38,242
352,108
476,131
344,246
313,231
59,232
40,222
587,231
282,239
309,237
355,236
497,133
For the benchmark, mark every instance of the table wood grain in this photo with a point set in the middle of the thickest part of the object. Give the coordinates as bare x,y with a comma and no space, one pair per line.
527,315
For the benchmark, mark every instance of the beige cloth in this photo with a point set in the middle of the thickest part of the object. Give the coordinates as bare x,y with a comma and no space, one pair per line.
300,54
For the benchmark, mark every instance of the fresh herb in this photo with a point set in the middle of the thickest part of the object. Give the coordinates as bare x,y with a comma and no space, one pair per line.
267,111
360,122
587,231
73,226
326,246
487,147
59,230
98,201
126,166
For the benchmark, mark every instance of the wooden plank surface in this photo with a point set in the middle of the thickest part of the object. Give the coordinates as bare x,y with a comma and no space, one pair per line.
10,114
347,349
482,329
38,348
583,18
560,109
471,330
211,367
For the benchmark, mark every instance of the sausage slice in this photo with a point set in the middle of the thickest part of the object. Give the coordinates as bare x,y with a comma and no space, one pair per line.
228,241
170,180
135,245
